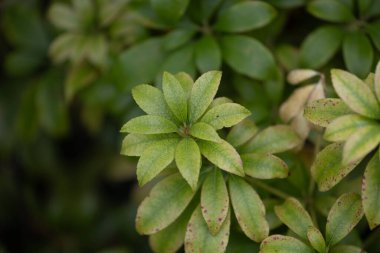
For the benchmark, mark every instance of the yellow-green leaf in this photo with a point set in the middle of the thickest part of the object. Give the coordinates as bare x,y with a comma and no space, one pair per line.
371,191
294,215
346,212
135,144
223,155
166,202
343,127
242,133
198,238
188,160
327,169
322,111
249,209
63,17
154,159
149,124
214,201
363,141
204,131
175,96
151,100
225,115
355,93
284,244
186,82
202,94
274,139
377,81
316,239
171,238
264,166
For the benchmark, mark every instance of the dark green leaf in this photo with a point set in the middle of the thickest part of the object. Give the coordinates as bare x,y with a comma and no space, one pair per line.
320,46
170,10
330,10
245,16
207,54
357,53
255,60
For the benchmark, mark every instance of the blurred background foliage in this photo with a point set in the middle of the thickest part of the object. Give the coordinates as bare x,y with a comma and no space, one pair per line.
67,68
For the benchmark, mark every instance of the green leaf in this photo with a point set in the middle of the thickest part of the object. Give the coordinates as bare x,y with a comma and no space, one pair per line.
245,16
346,249
63,17
374,32
371,191
154,159
186,81
343,127
320,46
61,48
171,238
323,111
327,169
135,144
225,115
179,60
222,155
188,160
132,60
170,10
330,10
175,96
166,202
214,201
255,60
343,217
151,100
149,124
249,209
109,12
363,141
207,54
202,94
198,239
283,244
294,215
316,239
97,49
78,77
242,133
274,139
264,166
219,101
177,38
377,81
357,53
204,131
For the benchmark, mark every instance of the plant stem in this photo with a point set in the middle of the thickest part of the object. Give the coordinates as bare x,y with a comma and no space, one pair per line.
268,188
